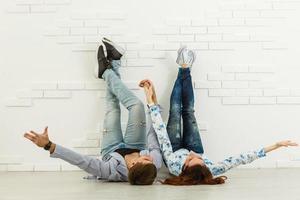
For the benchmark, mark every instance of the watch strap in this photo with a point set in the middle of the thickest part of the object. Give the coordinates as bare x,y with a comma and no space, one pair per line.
47,146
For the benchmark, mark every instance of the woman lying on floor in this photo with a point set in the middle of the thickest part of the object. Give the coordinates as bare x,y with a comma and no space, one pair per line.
183,153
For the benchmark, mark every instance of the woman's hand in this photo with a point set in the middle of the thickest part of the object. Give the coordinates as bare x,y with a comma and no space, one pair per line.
149,91
40,139
284,143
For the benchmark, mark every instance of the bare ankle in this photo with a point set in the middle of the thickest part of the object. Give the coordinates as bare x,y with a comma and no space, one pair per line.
184,65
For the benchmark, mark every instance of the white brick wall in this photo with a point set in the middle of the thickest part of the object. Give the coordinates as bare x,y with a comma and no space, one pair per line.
235,68
277,92
71,85
235,84
29,94
239,82
288,100
263,100
37,6
47,167
44,85
21,167
240,46
207,84
95,85
295,92
89,151
85,143
10,159
220,76
14,102
235,100
249,92
57,94
221,92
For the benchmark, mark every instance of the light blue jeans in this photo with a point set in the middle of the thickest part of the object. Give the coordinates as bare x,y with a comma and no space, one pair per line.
135,134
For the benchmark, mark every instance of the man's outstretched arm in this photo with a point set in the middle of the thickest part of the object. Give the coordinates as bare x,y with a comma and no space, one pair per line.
89,164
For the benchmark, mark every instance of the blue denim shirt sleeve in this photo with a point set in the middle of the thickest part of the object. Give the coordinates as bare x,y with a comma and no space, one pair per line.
234,161
172,160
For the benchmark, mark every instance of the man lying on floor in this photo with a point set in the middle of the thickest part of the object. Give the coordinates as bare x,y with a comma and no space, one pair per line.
123,158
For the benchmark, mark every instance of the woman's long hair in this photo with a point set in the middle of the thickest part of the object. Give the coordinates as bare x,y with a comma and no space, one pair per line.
195,175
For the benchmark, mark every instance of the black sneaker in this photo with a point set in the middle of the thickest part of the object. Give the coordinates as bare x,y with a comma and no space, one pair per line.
114,52
103,63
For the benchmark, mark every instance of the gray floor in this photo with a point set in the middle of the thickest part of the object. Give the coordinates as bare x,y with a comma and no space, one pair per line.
242,184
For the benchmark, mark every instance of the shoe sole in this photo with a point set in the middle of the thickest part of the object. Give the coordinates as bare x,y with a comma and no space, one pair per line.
120,49
194,56
179,51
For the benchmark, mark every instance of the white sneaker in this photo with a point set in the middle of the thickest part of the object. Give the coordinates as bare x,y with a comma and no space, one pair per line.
185,56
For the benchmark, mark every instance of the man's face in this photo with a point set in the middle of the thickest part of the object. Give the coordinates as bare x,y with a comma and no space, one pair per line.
142,160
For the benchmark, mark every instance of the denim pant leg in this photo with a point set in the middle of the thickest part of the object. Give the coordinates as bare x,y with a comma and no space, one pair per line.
191,136
112,132
174,121
135,135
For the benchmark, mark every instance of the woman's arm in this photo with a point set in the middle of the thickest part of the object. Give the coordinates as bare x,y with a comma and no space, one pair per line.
245,158
170,157
159,126
234,161
285,143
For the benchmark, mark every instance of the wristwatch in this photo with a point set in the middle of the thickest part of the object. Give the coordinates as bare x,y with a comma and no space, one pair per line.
47,146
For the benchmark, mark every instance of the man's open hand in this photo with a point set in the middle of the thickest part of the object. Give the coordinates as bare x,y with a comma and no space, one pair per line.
40,139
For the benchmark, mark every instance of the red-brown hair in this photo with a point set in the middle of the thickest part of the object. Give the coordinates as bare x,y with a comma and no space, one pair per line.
195,175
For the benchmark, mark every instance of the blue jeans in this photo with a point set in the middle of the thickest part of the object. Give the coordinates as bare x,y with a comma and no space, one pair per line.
135,135
182,106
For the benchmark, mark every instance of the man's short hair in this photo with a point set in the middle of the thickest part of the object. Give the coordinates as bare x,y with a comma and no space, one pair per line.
142,174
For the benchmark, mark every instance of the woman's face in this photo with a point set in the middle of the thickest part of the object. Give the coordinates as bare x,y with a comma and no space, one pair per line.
192,160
